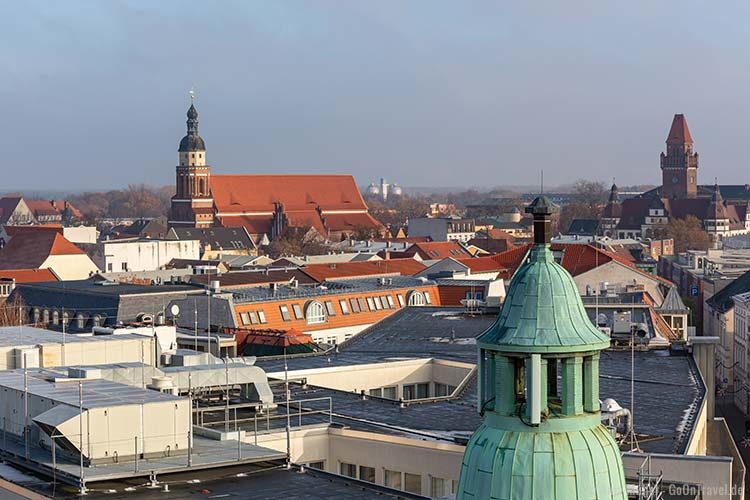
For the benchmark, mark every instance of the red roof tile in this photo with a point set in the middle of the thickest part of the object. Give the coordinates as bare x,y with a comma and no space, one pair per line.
679,132
255,224
348,222
28,275
258,193
322,272
436,250
30,248
512,259
482,264
499,234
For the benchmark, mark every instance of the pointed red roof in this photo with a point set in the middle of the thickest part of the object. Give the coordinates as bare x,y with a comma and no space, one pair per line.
29,248
679,132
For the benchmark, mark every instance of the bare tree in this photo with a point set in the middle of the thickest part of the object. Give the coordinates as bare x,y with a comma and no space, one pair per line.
688,234
11,312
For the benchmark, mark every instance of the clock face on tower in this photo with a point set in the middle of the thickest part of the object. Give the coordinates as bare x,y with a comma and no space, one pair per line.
675,180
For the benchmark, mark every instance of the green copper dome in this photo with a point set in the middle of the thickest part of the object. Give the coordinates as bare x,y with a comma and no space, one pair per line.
538,390
504,465
543,312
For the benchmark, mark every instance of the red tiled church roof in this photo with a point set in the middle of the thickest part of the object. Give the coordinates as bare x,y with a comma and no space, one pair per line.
258,193
255,224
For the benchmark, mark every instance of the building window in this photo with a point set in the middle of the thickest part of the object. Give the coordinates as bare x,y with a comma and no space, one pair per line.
253,317
344,307
315,313
65,319
55,318
427,297
297,311
389,298
349,470
319,465
97,320
80,321
109,267
415,298
355,305
378,393
378,303
329,308
409,392
413,483
371,303
124,266
440,488
285,313
423,391
390,392
244,318
441,390
362,305
400,300
367,473
262,317
37,316
45,316
393,479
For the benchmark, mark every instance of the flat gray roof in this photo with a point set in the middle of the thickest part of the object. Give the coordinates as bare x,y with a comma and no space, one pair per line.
11,336
96,392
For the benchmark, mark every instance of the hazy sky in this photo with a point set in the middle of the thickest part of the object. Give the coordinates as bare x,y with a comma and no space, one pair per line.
428,92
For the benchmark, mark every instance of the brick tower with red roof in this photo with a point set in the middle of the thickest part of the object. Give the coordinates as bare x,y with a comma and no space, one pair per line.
679,166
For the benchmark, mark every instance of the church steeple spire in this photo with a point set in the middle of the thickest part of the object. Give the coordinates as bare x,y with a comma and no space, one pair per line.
192,203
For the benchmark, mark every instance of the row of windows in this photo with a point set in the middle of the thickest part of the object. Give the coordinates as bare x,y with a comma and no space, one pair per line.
54,317
412,483
316,312
253,318
413,391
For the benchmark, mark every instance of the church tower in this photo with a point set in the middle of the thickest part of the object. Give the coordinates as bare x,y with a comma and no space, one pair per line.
679,166
192,205
541,437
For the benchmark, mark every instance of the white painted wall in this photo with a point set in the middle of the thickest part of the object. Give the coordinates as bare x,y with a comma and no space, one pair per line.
146,255
81,234
70,267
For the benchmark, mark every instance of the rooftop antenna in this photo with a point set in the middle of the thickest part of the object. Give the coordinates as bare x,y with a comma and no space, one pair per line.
541,187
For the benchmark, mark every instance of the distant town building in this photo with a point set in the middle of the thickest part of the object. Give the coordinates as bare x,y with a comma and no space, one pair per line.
18,211
141,254
265,205
216,242
722,209
442,228
42,247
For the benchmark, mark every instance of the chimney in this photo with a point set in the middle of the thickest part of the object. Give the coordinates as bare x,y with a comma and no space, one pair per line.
387,255
541,209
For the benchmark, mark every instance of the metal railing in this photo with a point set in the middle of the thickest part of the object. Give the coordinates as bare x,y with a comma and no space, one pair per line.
649,483
263,415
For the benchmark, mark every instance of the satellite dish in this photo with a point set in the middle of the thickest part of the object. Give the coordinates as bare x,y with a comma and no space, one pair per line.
175,310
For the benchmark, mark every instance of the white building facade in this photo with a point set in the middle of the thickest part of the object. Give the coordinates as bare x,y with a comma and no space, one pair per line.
143,254
741,369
